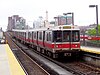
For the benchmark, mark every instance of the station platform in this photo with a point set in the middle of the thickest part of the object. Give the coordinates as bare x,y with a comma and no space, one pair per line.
90,49
8,62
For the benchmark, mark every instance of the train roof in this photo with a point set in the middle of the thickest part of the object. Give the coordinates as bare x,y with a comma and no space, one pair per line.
17,30
64,27
60,27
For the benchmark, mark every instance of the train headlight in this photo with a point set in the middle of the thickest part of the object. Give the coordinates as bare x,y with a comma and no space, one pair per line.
76,45
56,46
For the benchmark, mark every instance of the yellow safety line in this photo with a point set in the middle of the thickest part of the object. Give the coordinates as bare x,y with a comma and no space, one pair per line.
91,51
15,67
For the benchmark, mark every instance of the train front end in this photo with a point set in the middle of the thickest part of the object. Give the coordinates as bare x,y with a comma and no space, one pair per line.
66,41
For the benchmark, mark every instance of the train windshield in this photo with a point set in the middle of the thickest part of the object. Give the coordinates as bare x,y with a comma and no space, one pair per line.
62,36
66,36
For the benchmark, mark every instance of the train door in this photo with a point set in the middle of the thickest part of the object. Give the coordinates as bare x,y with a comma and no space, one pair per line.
32,36
43,38
57,39
37,38
26,36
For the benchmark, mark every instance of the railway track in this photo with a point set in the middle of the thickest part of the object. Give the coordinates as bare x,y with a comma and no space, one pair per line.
28,64
77,67
82,68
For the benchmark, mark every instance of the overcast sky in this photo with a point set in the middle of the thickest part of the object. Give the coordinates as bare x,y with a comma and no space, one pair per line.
32,9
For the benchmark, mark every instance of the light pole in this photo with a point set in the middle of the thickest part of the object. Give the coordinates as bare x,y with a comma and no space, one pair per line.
72,17
96,16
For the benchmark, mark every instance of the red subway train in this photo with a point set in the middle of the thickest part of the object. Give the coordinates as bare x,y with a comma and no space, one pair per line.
54,41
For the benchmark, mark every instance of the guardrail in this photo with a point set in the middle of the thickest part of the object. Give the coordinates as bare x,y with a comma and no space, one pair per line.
90,43
90,40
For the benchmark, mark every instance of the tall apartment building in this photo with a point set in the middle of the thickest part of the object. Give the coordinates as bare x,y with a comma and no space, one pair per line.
63,20
9,27
21,23
16,22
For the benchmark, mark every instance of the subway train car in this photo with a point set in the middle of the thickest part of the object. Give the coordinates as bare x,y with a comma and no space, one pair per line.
54,41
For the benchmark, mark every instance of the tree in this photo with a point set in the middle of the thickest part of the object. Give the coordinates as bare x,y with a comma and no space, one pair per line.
93,31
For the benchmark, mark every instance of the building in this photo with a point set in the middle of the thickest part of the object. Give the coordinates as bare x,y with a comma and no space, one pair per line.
9,27
39,22
16,22
63,20
20,24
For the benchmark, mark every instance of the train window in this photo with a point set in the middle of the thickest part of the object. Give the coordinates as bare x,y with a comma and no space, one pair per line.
34,35
40,35
49,36
57,36
21,34
24,34
66,36
30,35
75,36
